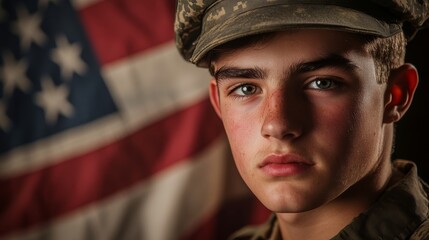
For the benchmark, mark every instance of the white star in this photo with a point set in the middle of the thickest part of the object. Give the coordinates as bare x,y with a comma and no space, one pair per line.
4,120
13,74
28,28
67,56
53,100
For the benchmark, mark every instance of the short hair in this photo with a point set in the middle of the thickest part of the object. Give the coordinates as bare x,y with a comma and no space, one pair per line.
388,53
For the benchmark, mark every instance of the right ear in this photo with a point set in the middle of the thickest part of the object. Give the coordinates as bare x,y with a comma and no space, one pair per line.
214,97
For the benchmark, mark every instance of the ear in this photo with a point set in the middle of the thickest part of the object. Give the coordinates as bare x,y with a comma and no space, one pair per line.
400,91
214,97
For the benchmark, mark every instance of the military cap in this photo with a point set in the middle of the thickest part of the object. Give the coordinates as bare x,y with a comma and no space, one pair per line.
202,25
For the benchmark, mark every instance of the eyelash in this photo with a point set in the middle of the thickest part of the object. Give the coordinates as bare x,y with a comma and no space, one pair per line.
240,86
333,84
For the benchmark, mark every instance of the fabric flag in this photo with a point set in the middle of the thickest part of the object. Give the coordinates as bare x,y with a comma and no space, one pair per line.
105,132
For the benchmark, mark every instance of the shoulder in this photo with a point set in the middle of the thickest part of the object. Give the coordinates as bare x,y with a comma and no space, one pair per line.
422,232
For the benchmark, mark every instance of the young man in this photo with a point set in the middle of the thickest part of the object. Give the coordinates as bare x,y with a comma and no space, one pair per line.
309,92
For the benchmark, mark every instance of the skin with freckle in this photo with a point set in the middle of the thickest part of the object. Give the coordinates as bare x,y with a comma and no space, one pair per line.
287,115
309,93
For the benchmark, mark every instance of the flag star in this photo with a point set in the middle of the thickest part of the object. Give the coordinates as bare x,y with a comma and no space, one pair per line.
13,75
28,28
5,122
53,100
67,56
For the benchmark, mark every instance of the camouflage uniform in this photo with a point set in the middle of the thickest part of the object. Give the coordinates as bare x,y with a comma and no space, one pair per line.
202,25
401,213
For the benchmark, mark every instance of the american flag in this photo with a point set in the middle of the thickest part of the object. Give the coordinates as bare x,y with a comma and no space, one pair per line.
105,132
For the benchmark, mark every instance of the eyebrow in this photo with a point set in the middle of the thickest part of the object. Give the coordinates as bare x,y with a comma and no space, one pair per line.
330,61
236,72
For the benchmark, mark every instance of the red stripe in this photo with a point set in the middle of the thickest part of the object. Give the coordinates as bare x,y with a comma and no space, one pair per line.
40,196
232,216
121,28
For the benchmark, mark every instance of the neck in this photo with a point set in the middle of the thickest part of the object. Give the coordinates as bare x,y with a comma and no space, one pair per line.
324,222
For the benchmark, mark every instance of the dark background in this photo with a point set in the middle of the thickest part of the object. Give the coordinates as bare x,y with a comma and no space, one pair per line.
412,136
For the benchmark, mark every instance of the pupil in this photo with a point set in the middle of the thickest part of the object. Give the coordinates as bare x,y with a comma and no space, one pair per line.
323,83
247,89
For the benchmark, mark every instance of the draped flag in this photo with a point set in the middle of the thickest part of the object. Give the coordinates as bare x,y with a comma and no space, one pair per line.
105,132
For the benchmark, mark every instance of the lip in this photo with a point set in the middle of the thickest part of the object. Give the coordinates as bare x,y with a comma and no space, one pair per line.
284,165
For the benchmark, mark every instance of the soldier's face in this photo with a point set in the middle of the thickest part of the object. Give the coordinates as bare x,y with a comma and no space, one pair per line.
304,116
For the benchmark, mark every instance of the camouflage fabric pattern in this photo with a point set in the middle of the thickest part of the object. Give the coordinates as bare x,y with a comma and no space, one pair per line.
422,233
413,13
201,25
188,24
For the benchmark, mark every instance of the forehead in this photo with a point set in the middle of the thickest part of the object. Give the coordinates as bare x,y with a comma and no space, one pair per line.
291,45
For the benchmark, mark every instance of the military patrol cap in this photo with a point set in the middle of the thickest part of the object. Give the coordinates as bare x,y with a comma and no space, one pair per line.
202,25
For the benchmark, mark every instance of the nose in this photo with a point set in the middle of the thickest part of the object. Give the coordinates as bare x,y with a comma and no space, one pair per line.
283,116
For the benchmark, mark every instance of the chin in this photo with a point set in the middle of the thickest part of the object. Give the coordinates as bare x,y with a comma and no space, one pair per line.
291,208
286,203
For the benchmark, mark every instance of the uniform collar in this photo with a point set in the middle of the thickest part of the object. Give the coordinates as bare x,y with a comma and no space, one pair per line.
398,212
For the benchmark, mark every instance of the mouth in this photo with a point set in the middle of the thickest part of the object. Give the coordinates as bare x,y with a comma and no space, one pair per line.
284,165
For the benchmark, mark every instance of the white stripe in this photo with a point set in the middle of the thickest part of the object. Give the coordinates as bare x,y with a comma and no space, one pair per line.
61,146
147,84
165,207
146,88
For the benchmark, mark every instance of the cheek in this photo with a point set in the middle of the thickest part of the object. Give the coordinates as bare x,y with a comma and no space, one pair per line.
348,134
236,127
242,132
338,137
334,123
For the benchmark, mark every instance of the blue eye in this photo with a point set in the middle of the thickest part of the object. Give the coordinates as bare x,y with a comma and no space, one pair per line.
323,83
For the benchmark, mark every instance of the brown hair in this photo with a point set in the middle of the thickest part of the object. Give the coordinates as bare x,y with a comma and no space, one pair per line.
388,54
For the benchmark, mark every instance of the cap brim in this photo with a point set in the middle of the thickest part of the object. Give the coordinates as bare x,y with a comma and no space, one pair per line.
283,17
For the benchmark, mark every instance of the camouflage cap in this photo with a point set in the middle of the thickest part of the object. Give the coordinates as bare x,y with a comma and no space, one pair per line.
201,25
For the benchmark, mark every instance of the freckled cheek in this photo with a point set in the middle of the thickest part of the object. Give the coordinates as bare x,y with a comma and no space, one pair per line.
239,131
242,130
